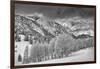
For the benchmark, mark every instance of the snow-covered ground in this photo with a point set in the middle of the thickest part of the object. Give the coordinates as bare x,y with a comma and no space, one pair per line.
20,50
79,56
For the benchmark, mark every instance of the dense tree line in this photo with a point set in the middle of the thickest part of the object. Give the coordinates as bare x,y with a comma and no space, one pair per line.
59,47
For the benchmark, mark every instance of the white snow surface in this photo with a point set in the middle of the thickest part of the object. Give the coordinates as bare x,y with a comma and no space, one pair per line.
20,50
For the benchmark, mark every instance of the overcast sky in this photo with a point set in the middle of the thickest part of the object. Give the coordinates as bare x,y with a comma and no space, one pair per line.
52,11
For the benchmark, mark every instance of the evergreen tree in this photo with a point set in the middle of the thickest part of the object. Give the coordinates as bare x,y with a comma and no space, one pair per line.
19,58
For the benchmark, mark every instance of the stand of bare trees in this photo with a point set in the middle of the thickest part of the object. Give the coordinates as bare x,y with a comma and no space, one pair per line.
26,58
58,48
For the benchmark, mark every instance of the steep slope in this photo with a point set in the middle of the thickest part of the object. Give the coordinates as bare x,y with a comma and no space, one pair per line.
43,26
26,25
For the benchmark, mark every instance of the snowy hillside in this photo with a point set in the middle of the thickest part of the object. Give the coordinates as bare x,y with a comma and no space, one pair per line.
79,56
20,48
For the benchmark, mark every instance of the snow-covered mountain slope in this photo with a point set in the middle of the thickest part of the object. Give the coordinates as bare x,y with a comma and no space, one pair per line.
43,26
25,24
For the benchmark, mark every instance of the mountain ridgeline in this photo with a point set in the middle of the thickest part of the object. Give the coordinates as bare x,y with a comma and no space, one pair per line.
45,29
